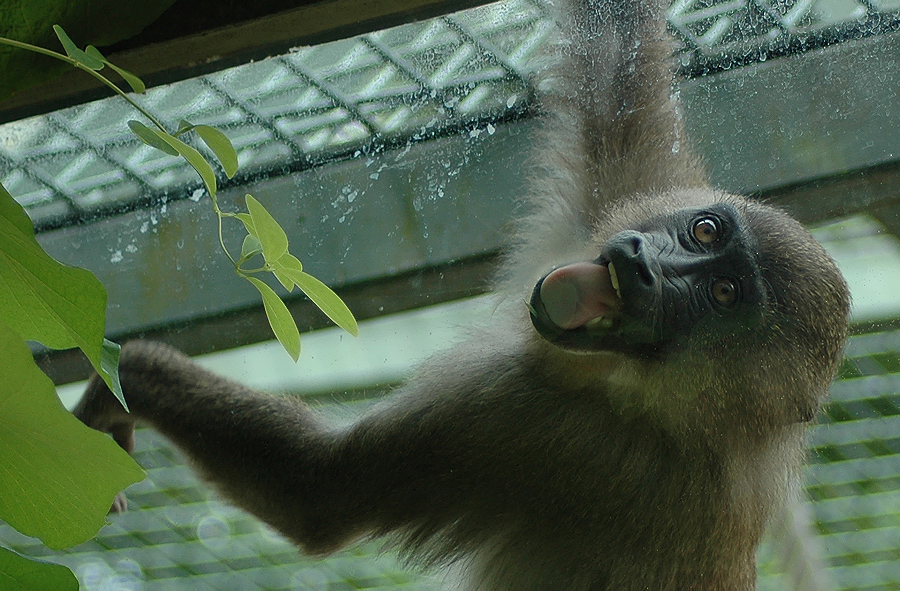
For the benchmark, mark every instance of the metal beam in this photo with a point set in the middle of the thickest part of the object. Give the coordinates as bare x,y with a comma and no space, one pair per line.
218,43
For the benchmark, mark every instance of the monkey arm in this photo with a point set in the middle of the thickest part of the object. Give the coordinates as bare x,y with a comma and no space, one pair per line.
618,55
395,468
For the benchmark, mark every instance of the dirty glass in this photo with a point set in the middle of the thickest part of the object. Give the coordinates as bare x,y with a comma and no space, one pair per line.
403,150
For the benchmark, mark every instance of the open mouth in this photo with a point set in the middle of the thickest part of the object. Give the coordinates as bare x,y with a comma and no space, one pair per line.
584,294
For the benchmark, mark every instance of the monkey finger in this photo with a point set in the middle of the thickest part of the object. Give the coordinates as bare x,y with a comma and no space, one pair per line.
119,504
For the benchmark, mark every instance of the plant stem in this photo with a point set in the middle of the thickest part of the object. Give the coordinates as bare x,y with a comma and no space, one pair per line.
80,66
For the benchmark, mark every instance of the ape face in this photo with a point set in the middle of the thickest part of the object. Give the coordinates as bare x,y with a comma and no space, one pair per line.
690,272
653,284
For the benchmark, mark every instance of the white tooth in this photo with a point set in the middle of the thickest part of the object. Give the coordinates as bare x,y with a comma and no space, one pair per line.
614,279
601,322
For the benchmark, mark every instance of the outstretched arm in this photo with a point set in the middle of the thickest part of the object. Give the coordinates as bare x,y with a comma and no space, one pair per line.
397,467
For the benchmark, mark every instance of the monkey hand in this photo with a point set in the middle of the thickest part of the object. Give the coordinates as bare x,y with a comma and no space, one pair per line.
102,411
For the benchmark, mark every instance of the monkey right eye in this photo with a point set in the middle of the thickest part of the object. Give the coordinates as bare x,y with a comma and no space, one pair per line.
706,230
724,291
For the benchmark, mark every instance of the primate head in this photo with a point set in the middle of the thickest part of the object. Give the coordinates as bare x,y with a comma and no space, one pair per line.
722,294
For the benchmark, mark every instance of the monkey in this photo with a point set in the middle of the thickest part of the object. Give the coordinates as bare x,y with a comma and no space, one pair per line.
631,416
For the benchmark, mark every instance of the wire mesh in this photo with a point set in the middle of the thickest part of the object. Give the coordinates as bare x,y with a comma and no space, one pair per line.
377,91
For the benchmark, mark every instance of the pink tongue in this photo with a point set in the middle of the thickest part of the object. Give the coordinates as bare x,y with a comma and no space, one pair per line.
576,294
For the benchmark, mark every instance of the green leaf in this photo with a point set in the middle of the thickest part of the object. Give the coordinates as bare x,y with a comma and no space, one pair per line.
11,211
280,319
289,261
58,478
46,301
248,222
193,157
274,240
76,54
18,573
109,369
136,84
286,262
327,301
146,135
250,247
221,146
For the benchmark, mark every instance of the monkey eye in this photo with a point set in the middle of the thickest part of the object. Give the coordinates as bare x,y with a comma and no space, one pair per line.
706,230
724,292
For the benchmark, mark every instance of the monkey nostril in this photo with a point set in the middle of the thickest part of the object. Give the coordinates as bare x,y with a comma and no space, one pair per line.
634,258
635,245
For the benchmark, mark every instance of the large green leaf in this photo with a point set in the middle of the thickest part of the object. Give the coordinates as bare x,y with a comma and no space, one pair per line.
46,301
280,319
20,574
58,478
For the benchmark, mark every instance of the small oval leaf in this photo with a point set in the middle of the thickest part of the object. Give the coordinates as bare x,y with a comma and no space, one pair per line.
283,279
286,266
146,135
76,54
289,261
109,369
274,240
326,300
250,247
193,157
221,146
136,84
280,319
248,222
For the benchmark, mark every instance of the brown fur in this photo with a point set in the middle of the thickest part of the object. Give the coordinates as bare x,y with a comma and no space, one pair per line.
526,466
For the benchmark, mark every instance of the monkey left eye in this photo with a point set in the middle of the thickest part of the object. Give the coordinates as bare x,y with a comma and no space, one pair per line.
706,230
724,292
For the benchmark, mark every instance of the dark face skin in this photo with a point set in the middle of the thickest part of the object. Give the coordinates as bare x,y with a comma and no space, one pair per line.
665,276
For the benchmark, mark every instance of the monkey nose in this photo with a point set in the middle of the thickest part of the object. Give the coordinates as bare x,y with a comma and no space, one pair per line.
576,294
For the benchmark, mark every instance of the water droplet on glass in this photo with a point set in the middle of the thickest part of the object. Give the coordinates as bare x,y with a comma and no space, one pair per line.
92,574
213,532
